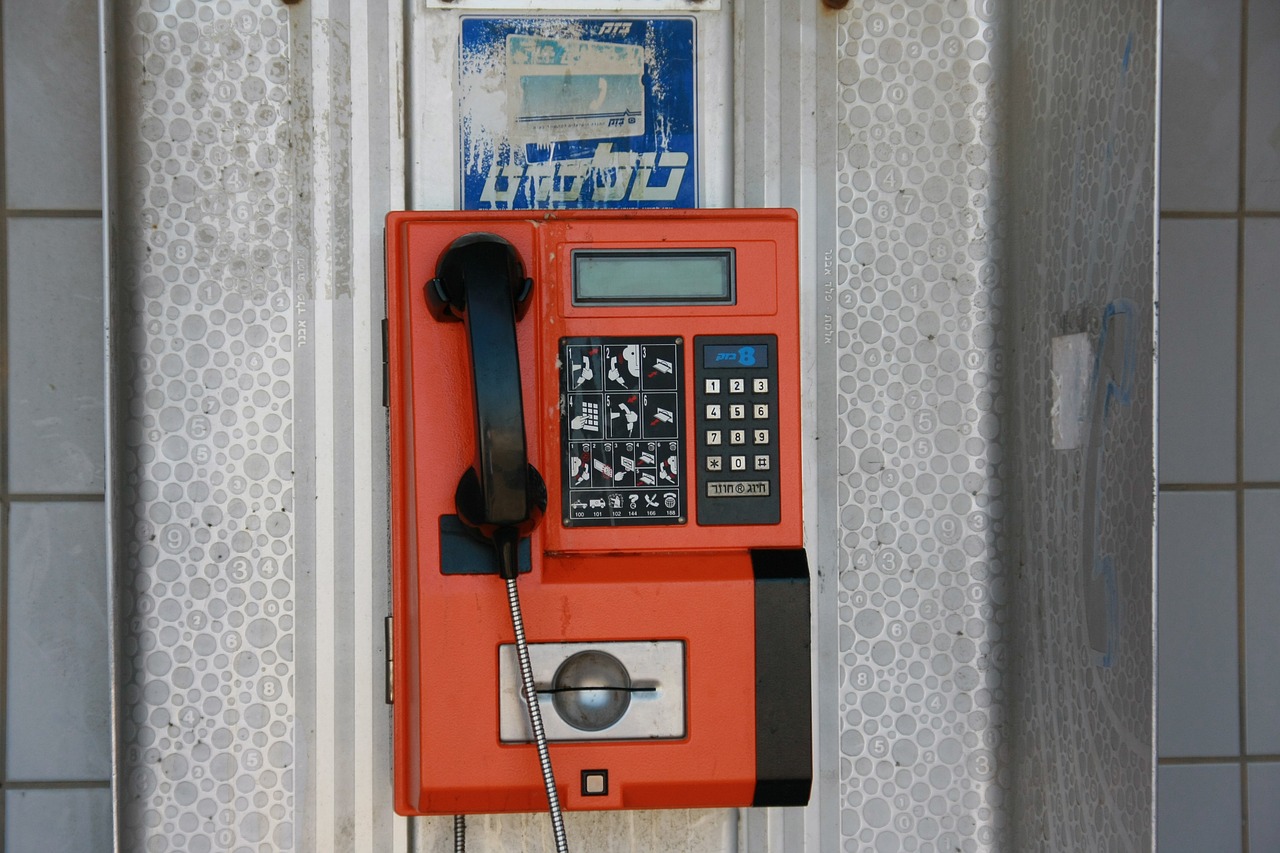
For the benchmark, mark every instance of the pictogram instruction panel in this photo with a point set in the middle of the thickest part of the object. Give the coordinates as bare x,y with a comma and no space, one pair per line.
622,431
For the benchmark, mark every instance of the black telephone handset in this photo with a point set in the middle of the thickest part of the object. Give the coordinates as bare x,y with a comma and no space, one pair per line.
480,280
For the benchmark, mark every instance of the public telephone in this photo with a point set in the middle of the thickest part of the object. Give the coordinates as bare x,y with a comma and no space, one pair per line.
606,406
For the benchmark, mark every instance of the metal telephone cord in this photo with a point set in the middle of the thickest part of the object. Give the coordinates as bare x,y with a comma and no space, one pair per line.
535,713
531,700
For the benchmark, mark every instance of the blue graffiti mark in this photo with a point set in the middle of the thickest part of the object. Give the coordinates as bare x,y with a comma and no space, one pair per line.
1112,382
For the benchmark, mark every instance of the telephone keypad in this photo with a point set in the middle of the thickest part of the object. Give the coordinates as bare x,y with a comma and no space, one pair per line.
737,376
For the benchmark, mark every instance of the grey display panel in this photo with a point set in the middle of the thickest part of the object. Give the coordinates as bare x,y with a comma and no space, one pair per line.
664,277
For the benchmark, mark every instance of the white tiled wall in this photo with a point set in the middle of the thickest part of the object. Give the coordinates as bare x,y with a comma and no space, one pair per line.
59,820
1219,585
55,754
1197,339
1198,687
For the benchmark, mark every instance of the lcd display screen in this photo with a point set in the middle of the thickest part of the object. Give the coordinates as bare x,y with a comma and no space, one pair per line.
659,277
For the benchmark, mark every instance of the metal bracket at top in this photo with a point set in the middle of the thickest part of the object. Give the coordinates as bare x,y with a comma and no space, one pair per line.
630,6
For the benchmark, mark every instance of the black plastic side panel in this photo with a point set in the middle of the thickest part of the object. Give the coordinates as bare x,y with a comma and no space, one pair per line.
784,736
465,552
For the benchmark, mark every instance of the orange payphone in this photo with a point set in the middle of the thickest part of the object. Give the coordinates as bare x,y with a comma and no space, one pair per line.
603,410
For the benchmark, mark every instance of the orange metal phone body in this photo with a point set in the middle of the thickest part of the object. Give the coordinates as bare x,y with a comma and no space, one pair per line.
686,582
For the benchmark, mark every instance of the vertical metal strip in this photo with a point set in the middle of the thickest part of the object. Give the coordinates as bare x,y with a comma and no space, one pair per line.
785,108
364,411
823,821
322,776
807,102
1154,260
107,110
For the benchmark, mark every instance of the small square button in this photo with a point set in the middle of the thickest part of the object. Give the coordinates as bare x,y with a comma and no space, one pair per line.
714,463
713,411
760,385
712,386
762,462
761,436
737,411
737,386
737,436
713,437
761,411
595,783
737,463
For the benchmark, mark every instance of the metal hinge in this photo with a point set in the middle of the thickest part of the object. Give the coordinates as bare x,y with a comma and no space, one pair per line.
390,646
386,369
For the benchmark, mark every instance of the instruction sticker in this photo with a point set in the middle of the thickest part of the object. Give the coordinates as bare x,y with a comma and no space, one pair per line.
564,90
577,113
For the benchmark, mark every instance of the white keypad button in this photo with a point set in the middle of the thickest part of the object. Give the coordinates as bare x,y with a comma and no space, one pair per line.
737,411
737,386
762,462
737,436
713,411
760,385
712,386
713,437
761,436
761,411
738,463
713,463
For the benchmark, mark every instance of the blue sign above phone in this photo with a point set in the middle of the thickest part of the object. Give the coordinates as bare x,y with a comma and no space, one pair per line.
573,113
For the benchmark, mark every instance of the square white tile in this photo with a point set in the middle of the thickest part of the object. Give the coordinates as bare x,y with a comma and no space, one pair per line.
1262,628
69,820
1261,349
1264,806
1262,131
58,690
56,420
1198,808
51,110
1198,708
1200,106
1197,428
